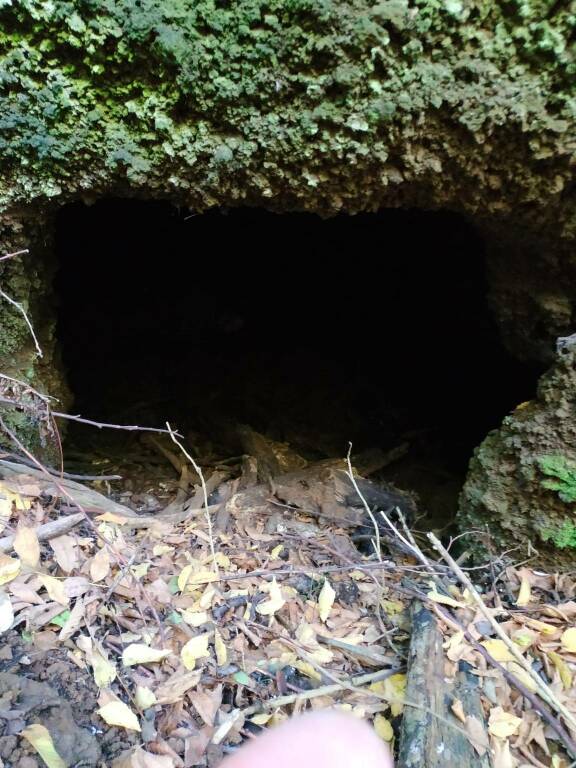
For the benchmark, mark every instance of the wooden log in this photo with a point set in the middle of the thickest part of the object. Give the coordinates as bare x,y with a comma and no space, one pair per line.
431,736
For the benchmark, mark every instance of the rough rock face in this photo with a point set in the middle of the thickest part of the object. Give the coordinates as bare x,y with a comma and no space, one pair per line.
318,105
521,487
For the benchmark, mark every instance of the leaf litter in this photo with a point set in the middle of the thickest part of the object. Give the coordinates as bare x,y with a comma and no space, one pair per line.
197,636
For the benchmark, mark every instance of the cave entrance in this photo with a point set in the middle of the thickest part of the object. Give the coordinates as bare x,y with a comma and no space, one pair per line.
372,328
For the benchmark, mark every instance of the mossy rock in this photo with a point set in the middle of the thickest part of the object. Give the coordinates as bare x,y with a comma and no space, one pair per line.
521,487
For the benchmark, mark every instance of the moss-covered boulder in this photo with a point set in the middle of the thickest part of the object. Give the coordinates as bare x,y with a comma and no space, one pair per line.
521,487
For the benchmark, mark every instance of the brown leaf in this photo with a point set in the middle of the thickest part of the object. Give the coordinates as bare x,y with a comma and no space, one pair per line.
74,621
458,710
27,546
195,747
477,734
100,565
66,552
207,703
172,690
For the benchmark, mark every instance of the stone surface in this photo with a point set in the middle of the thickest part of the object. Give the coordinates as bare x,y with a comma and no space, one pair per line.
506,491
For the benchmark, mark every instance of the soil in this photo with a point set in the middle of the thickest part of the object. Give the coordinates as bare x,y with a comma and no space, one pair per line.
47,687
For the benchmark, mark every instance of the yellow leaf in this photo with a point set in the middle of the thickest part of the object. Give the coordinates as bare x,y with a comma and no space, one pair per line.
540,626
140,570
392,690
138,653
521,675
40,739
307,669
162,549
194,618
503,724
498,650
220,648
6,612
10,567
275,554
184,576
100,565
276,601
221,559
207,597
104,670
392,607
569,640
144,697
26,546
55,588
261,719
117,713
525,593
563,669
196,648
458,710
326,600
383,728
437,597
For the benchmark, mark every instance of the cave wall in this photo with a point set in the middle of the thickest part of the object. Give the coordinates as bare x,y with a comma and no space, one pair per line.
316,105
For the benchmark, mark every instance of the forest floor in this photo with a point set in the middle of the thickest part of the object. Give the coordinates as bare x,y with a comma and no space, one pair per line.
178,605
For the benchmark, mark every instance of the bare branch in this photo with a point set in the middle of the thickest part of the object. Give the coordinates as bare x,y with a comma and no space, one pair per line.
21,309
14,255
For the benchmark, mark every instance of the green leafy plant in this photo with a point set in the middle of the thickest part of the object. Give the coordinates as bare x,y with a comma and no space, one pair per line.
562,474
562,537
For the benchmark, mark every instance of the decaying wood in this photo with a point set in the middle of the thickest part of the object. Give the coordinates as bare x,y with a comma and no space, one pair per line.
47,531
432,737
88,499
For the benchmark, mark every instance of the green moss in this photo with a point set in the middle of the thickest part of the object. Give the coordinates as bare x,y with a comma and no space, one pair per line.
564,537
181,94
563,472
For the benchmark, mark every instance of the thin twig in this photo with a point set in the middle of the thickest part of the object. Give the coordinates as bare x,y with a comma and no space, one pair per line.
323,690
350,473
198,470
21,309
544,690
14,255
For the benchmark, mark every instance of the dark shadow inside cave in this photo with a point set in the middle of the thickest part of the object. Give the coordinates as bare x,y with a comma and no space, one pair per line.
372,328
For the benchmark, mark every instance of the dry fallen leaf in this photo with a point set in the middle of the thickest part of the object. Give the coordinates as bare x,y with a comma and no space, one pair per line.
144,697
477,734
74,621
104,671
274,603
10,567
220,648
39,737
568,640
172,690
138,653
100,565
27,546
196,648
497,649
503,724
66,552
326,600
55,588
118,713
525,593
383,728
563,669
458,709
6,612
438,597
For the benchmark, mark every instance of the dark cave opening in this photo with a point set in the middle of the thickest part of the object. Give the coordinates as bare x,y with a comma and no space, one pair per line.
372,328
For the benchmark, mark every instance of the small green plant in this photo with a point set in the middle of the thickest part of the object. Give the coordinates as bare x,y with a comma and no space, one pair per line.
562,474
562,537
